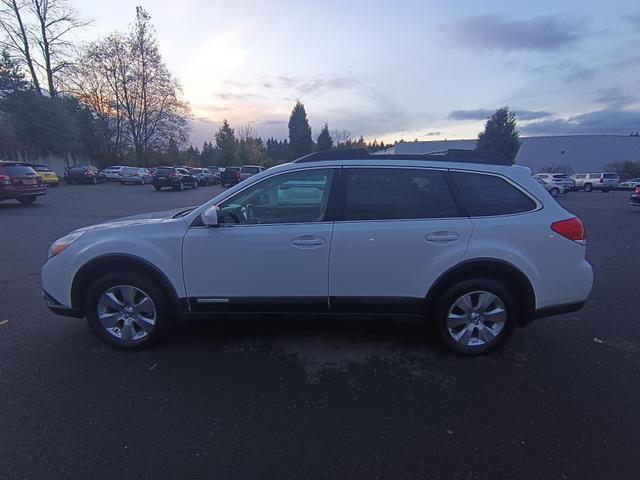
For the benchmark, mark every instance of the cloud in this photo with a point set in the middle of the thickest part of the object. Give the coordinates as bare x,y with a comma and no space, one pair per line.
543,33
483,114
611,121
237,96
615,97
329,84
634,20
432,134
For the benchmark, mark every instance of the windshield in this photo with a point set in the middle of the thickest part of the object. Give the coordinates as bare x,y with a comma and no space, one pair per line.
252,170
41,168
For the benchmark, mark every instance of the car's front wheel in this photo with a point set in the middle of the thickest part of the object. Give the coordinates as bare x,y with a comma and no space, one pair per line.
554,192
475,316
588,187
195,184
127,310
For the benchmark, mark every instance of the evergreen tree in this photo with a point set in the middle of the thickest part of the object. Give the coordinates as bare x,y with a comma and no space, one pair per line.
226,145
11,78
325,142
300,142
500,134
172,152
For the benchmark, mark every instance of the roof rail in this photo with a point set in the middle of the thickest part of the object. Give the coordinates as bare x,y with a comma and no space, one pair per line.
450,155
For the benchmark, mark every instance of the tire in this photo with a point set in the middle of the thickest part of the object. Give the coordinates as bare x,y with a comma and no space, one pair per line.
482,337
27,200
128,330
94,181
181,187
554,192
195,184
157,187
142,181
588,187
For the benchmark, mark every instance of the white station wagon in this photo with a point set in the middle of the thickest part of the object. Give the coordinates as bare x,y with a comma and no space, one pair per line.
470,242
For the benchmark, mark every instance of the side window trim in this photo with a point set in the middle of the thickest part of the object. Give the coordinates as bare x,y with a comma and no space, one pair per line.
342,193
337,177
533,198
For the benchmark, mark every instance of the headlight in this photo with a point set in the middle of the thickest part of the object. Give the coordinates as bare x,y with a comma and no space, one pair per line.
59,245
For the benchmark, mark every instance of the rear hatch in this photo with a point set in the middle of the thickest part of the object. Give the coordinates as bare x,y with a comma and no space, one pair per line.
610,178
21,177
78,172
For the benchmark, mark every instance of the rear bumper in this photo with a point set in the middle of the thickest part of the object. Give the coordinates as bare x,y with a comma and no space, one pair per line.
166,183
635,200
7,193
558,310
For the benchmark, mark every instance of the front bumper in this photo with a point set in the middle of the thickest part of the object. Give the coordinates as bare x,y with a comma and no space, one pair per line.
59,309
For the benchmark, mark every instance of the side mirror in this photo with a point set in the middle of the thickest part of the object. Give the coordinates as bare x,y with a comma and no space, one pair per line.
210,216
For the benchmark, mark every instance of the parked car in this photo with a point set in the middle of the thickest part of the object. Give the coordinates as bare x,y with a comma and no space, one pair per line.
215,171
630,184
469,241
83,174
112,173
19,181
230,176
48,176
557,179
203,175
174,177
596,181
635,197
247,171
138,175
552,188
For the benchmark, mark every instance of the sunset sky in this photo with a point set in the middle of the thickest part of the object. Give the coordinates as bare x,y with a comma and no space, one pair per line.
404,69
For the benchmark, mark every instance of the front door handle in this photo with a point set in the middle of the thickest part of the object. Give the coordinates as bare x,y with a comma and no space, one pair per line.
442,237
307,241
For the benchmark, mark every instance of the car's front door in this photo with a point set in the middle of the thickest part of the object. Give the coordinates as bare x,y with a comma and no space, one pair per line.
271,250
398,230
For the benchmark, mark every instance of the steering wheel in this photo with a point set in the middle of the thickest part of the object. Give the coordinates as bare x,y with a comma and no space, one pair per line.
251,214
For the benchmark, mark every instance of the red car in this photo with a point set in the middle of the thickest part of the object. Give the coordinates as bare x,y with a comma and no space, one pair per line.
635,198
20,182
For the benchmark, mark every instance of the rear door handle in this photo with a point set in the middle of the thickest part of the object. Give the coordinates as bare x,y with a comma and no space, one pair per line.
307,241
442,237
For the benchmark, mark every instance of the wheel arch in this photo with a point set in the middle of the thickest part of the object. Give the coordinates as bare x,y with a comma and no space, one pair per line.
506,273
93,269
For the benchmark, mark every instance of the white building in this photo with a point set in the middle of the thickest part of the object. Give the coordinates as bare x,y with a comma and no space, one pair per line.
585,153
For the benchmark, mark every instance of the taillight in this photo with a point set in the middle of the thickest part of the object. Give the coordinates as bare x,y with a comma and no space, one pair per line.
572,228
87,173
5,180
638,190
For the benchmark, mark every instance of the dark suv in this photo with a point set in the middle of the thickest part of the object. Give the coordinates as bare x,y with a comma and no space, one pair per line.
230,176
82,174
20,182
174,177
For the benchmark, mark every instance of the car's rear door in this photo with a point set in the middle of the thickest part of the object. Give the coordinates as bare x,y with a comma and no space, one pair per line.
270,252
398,230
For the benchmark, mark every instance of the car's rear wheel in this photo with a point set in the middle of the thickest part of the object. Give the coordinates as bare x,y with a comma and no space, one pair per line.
554,192
588,187
27,200
476,316
181,186
142,181
195,184
127,310
157,187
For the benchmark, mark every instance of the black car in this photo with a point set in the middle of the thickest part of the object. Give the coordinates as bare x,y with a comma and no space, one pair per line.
174,177
82,174
230,176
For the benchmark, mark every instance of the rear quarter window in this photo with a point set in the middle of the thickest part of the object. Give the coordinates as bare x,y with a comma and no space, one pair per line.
489,195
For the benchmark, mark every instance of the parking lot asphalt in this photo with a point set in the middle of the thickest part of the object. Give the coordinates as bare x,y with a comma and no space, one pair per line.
307,397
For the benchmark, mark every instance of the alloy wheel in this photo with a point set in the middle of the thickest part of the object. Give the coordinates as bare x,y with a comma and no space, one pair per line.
476,318
127,313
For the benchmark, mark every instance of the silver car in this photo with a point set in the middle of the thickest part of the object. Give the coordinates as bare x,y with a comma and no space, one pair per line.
249,171
135,175
203,175
557,179
552,188
596,181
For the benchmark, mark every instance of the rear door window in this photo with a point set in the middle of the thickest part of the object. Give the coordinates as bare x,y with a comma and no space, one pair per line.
397,193
489,195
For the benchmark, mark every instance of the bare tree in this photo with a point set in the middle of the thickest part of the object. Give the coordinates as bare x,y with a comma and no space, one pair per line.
127,84
341,137
247,131
55,20
17,38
